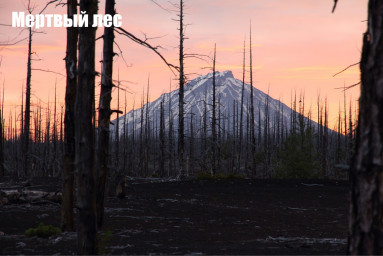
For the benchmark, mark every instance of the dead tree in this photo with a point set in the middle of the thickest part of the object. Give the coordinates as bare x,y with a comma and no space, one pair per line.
147,132
54,168
252,127
241,112
170,136
117,134
67,219
2,173
191,144
214,120
325,141
105,113
84,134
27,112
181,114
162,139
366,229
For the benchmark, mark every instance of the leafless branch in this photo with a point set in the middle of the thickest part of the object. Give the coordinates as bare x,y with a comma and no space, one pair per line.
163,8
14,43
51,2
348,87
202,57
346,69
122,56
151,38
135,39
333,8
48,71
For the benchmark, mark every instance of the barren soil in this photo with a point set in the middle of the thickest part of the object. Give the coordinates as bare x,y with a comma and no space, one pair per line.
197,217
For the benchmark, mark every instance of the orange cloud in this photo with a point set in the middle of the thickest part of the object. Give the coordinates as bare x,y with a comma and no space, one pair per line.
39,48
236,67
234,48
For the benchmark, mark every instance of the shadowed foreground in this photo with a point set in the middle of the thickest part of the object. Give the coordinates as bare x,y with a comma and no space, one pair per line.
198,217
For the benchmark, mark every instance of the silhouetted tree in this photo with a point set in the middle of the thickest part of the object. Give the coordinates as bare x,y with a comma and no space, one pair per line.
366,229
27,112
252,127
105,113
67,220
214,120
181,117
84,134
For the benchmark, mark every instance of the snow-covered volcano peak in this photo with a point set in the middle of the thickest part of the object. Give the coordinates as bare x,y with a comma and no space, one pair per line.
226,74
232,98
220,77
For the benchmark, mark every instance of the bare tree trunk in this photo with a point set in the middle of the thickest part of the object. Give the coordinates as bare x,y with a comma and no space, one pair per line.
214,121
69,143
345,126
147,133
338,141
67,219
252,128
126,131
2,173
84,134
117,134
366,176
241,113
325,142
191,144
170,144
104,114
54,137
27,112
141,163
162,140
181,124
219,135
204,144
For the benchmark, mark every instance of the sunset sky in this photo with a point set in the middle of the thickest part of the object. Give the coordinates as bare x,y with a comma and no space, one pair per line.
298,45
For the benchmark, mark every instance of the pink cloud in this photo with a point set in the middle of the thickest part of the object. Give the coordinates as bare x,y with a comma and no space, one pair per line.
302,45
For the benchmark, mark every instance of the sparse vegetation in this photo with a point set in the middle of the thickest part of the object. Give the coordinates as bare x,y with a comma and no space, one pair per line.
43,230
298,159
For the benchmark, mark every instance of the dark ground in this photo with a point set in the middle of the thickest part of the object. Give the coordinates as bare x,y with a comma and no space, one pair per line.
198,217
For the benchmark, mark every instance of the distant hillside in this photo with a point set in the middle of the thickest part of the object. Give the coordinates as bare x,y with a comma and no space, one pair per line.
198,102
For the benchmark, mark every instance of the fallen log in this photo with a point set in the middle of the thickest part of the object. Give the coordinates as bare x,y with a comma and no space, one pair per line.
29,196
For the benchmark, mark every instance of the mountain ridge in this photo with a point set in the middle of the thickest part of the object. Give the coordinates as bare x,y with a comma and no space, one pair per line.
197,92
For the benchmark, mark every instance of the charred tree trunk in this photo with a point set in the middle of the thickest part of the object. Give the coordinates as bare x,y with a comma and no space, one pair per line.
54,138
366,211
241,111
191,144
252,127
104,114
69,119
181,124
84,134
170,135
2,173
214,121
147,133
27,112
325,142
162,139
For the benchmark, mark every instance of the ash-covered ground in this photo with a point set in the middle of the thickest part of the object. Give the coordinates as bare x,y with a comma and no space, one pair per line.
237,216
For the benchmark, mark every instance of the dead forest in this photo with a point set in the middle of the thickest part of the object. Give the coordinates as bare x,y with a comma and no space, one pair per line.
83,144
